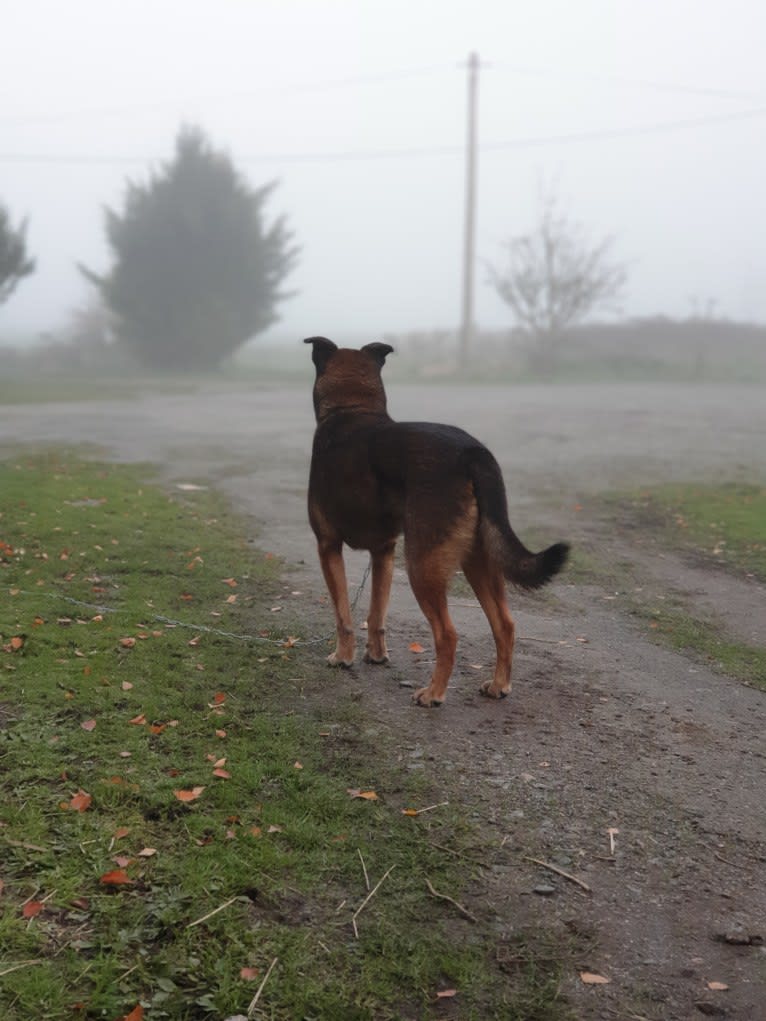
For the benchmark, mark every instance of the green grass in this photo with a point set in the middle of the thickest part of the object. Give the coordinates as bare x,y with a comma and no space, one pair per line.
676,627
276,842
725,523
721,525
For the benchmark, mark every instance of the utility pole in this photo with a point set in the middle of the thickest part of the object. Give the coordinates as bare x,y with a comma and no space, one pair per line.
467,324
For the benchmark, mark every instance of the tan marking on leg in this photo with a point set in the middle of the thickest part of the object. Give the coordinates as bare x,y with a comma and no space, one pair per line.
430,572
488,583
334,570
382,575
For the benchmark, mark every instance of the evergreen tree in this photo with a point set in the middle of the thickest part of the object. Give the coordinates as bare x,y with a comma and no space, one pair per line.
14,262
196,272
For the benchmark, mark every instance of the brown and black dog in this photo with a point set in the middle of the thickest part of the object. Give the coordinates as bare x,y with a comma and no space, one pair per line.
373,479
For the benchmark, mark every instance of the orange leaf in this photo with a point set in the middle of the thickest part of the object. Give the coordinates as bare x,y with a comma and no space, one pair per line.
416,647
121,831
81,801
139,720
410,811
219,698
220,733
248,974
157,728
366,795
191,795
230,582
255,831
444,994
88,725
137,1014
127,643
117,877
122,860
32,908
591,979
224,774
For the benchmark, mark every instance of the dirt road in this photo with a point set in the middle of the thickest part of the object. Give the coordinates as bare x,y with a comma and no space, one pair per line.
604,729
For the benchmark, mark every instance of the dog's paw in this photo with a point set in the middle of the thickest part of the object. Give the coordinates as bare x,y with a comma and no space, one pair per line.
425,699
376,660
489,691
334,660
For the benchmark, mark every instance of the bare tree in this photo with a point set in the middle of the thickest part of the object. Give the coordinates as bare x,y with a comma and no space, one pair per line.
554,277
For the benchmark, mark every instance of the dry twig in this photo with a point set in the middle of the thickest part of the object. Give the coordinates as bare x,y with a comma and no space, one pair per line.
254,1001
443,896
210,914
364,869
368,898
559,872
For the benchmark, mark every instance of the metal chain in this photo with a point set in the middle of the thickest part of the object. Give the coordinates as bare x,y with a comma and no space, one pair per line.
204,628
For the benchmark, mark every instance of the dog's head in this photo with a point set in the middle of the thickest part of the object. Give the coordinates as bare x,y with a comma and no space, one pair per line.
348,380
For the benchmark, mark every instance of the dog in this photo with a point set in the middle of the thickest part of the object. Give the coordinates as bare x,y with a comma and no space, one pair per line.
373,479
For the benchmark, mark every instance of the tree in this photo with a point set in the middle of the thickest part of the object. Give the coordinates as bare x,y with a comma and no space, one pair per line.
14,263
554,277
196,272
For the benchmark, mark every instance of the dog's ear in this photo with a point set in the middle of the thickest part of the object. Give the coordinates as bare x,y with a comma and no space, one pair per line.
378,352
323,349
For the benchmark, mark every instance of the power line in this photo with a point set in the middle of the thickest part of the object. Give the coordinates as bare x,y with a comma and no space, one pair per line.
350,155
623,82
299,88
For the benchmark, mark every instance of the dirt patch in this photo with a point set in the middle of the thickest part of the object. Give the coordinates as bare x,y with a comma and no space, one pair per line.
604,730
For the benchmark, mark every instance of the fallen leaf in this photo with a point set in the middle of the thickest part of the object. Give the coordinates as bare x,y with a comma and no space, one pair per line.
275,829
122,860
231,582
255,831
81,801
591,979
127,643
139,720
32,908
365,795
157,728
297,765
718,987
231,599
121,831
410,811
223,773
416,647
117,877
147,852
126,685
191,795
218,699
248,974
444,994
220,733
88,725
137,1014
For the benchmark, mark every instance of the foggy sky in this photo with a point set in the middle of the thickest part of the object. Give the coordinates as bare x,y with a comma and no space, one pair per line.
357,107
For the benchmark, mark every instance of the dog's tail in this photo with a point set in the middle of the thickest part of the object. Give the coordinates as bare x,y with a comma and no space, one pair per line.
519,565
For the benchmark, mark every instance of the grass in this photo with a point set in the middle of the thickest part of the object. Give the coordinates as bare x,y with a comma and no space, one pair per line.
119,899
718,525
725,523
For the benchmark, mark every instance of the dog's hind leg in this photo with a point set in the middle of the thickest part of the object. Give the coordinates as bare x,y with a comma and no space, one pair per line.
334,570
488,583
382,574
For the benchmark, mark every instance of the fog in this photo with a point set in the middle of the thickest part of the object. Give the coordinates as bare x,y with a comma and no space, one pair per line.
647,120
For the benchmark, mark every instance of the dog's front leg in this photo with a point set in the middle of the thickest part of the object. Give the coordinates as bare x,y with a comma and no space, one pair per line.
382,575
333,568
